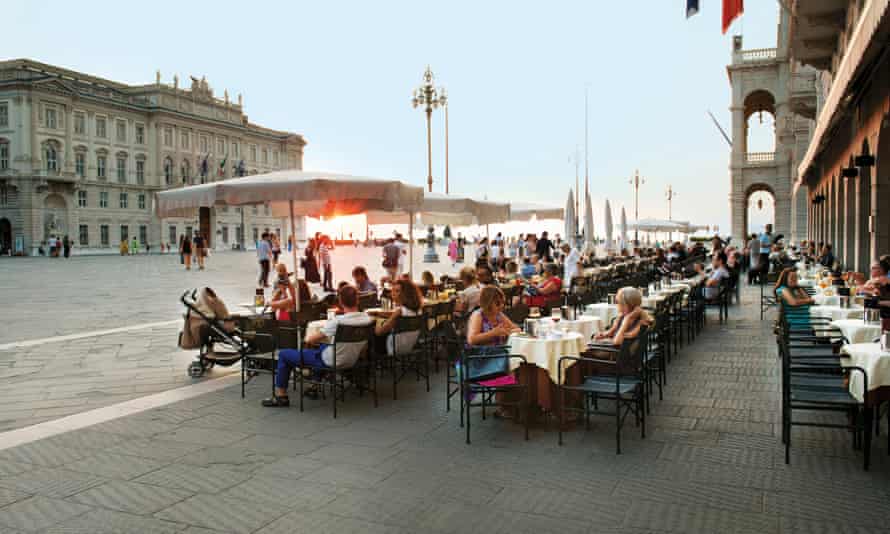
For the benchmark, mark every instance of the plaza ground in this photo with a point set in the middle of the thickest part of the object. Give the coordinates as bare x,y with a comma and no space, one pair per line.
711,462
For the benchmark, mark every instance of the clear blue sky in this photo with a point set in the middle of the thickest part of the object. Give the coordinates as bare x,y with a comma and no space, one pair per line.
342,73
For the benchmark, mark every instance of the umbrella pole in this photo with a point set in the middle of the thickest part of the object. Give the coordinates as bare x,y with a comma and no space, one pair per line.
411,245
293,236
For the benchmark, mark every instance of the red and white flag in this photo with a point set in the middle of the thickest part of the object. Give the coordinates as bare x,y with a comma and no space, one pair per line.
731,10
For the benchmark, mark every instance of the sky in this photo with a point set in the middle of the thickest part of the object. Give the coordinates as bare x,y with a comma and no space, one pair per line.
342,74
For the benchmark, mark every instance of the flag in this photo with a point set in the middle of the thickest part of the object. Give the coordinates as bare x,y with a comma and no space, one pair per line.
691,8
222,166
731,10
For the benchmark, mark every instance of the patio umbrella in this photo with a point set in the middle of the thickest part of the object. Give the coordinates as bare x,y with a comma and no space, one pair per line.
623,228
570,219
608,217
589,244
295,192
524,211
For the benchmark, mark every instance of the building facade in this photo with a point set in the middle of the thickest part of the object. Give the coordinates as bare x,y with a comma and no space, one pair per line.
845,172
83,156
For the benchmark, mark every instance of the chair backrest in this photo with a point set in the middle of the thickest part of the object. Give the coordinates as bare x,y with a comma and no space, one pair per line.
409,324
518,314
367,300
630,355
354,334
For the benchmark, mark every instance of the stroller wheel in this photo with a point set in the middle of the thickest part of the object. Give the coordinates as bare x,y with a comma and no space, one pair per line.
196,370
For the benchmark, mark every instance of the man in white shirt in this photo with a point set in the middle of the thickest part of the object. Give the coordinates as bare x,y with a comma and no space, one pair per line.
322,357
572,264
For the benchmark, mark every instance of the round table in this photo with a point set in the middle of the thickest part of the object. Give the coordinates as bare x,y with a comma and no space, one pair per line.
606,312
857,331
546,352
836,313
586,325
826,300
875,362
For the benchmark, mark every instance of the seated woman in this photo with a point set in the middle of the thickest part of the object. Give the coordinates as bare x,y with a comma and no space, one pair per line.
468,297
795,300
548,291
284,299
319,353
631,316
407,302
488,326
879,286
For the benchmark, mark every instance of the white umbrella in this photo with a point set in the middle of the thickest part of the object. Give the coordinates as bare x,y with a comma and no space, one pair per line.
608,217
570,228
623,228
524,211
295,192
589,244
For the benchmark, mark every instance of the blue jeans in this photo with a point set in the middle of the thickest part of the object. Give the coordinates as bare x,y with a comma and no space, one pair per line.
290,358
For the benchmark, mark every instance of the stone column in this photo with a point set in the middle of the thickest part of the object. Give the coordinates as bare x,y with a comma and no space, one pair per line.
862,209
880,233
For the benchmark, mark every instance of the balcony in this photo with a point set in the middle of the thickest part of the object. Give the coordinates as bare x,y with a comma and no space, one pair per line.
756,55
760,158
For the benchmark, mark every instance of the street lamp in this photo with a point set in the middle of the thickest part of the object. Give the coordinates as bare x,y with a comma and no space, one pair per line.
636,181
429,97
669,194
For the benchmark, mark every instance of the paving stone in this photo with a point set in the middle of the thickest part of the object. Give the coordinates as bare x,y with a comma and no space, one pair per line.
353,454
51,482
203,436
8,496
193,478
134,427
131,497
284,491
102,521
44,454
319,523
693,493
117,466
39,513
562,504
232,458
9,467
154,449
279,446
223,513
291,467
697,519
352,476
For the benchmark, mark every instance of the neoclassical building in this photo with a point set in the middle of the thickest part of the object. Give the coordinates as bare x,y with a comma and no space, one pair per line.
83,156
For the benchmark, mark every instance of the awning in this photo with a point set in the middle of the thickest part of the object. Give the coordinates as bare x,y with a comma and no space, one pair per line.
454,210
524,211
857,47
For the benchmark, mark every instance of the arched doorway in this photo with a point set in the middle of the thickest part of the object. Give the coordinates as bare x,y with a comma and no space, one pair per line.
760,122
760,209
55,216
5,236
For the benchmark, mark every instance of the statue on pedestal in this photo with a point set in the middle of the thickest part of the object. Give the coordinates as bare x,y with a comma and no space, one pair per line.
430,255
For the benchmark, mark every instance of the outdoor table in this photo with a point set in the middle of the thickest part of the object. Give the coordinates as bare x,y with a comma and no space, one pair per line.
876,364
857,331
586,325
826,300
606,312
806,282
546,352
835,313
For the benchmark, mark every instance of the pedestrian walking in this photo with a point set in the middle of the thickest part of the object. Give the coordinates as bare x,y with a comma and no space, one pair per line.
309,264
324,254
66,245
124,247
264,256
179,248
276,248
185,251
134,249
200,249
391,253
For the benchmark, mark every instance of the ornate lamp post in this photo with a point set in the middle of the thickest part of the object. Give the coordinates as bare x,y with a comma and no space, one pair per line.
636,181
429,97
669,194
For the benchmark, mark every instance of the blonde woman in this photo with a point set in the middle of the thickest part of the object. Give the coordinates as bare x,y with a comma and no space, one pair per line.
468,297
631,316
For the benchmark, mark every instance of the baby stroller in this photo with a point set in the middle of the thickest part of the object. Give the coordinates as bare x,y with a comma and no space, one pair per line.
210,328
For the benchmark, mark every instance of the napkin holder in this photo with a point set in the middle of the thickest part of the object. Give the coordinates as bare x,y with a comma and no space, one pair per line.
531,327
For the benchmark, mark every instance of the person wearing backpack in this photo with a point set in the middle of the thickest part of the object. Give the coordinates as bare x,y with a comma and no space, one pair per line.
391,255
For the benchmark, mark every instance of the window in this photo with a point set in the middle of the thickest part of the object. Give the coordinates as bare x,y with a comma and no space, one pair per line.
51,121
256,234
103,199
168,136
168,171
205,145
184,140
265,156
239,234
125,232
123,201
188,232
252,152
80,123
101,162
52,158
84,235
184,171
82,198
4,114
141,201
100,128
225,234
80,164
225,209
4,195
103,235
236,149
122,169
276,159
143,234
266,210
254,210
140,171
171,235
121,129
4,155
140,134
220,147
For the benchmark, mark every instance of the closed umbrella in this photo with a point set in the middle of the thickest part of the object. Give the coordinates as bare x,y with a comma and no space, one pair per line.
608,217
589,245
570,218
623,228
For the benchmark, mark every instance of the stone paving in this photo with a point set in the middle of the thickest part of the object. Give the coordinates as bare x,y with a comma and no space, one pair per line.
711,463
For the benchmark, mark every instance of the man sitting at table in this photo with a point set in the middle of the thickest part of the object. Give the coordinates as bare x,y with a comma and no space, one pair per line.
879,286
712,286
528,267
362,282
321,357
484,275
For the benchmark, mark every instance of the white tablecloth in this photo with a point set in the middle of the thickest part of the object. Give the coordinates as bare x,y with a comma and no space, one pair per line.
835,313
586,325
856,331
869,357
653,301
545,353
826,300
806,282
606,312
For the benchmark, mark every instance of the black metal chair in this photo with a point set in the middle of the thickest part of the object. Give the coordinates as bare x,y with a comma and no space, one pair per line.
404,359
482,364
625,385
